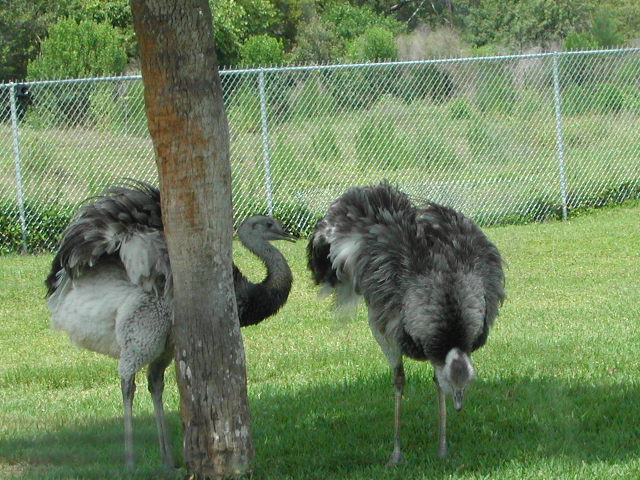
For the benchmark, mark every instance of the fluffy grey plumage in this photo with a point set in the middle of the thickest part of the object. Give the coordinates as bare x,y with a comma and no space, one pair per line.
110,288
431,279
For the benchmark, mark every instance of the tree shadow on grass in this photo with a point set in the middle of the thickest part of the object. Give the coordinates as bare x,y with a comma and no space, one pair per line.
344,430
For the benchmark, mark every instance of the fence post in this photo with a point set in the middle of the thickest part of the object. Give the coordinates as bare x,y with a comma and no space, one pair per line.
559,135
18,163
265,142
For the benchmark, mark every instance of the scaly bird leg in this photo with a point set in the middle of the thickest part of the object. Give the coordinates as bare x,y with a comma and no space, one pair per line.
155,377
128,387
398,381
442,440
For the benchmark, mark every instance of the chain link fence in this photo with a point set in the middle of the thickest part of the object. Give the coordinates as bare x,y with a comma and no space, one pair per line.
503,139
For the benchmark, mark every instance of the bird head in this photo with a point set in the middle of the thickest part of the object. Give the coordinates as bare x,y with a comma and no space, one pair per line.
265,227
455,375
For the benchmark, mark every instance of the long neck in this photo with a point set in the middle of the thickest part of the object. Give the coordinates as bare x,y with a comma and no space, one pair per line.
265,298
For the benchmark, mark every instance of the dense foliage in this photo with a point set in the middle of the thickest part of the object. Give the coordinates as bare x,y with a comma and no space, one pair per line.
330,31
76,50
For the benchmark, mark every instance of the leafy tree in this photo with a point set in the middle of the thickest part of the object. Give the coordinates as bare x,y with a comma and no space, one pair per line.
262,16
376,43
75,50
605,30
317,42
115,12
327,35
262,50
542,21
230,29
235,20
291,13
579,41
351,21
627,15
22,24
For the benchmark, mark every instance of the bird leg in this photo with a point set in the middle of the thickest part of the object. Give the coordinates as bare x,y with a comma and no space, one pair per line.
155,378
128,386
442,439
398,381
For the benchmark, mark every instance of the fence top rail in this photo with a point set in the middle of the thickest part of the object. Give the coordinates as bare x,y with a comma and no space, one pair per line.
344,66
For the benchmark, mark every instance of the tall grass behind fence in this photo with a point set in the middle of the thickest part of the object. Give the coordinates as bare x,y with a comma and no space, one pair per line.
503,138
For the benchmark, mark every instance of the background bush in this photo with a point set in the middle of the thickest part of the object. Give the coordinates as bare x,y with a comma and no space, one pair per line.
376,43
50,220
262,50
79,50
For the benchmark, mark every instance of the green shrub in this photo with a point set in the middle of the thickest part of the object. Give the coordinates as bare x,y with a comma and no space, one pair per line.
426,150
317,42
609,98
59,108
607,197
423,81
79,50
351,21
532,101
605,30
361,87
376,43
244,108
577,69
576,100
354,88
45,224
497,95
601,98
631,97
295,217
580,41
460,109
309,99
262,50
379,144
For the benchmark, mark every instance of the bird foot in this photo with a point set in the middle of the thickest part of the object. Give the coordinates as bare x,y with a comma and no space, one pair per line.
395,458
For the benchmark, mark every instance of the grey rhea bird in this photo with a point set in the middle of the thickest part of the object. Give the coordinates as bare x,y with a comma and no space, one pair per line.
110,289
431,279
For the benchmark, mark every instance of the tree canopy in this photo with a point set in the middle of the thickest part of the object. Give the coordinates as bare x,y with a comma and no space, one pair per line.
332,30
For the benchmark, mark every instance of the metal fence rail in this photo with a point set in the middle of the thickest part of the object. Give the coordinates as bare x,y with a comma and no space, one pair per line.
514,138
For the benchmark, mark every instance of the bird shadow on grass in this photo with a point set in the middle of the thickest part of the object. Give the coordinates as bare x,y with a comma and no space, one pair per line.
344,430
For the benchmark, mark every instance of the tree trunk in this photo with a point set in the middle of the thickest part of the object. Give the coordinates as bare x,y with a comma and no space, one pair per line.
190,135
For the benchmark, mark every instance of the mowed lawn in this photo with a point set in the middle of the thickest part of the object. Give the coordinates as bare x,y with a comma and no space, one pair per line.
557,394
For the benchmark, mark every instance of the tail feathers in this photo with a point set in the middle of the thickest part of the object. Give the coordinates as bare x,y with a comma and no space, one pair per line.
124,225
331,262
318,262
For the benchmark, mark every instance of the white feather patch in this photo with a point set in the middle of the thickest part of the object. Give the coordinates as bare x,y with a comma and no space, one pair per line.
344,253
144,255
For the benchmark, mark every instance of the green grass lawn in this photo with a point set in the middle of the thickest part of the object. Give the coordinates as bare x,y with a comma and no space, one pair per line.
557,395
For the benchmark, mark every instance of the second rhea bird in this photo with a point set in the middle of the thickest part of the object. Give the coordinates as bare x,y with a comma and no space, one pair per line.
111,289
431,279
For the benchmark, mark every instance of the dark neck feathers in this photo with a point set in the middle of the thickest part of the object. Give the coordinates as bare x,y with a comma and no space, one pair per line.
265,298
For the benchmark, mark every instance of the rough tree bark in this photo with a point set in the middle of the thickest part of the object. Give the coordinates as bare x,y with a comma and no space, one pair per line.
189,129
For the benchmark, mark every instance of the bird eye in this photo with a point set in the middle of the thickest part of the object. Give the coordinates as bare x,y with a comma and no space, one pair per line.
269,224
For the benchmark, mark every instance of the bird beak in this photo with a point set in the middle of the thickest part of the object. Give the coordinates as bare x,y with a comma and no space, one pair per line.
286,236
458,400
